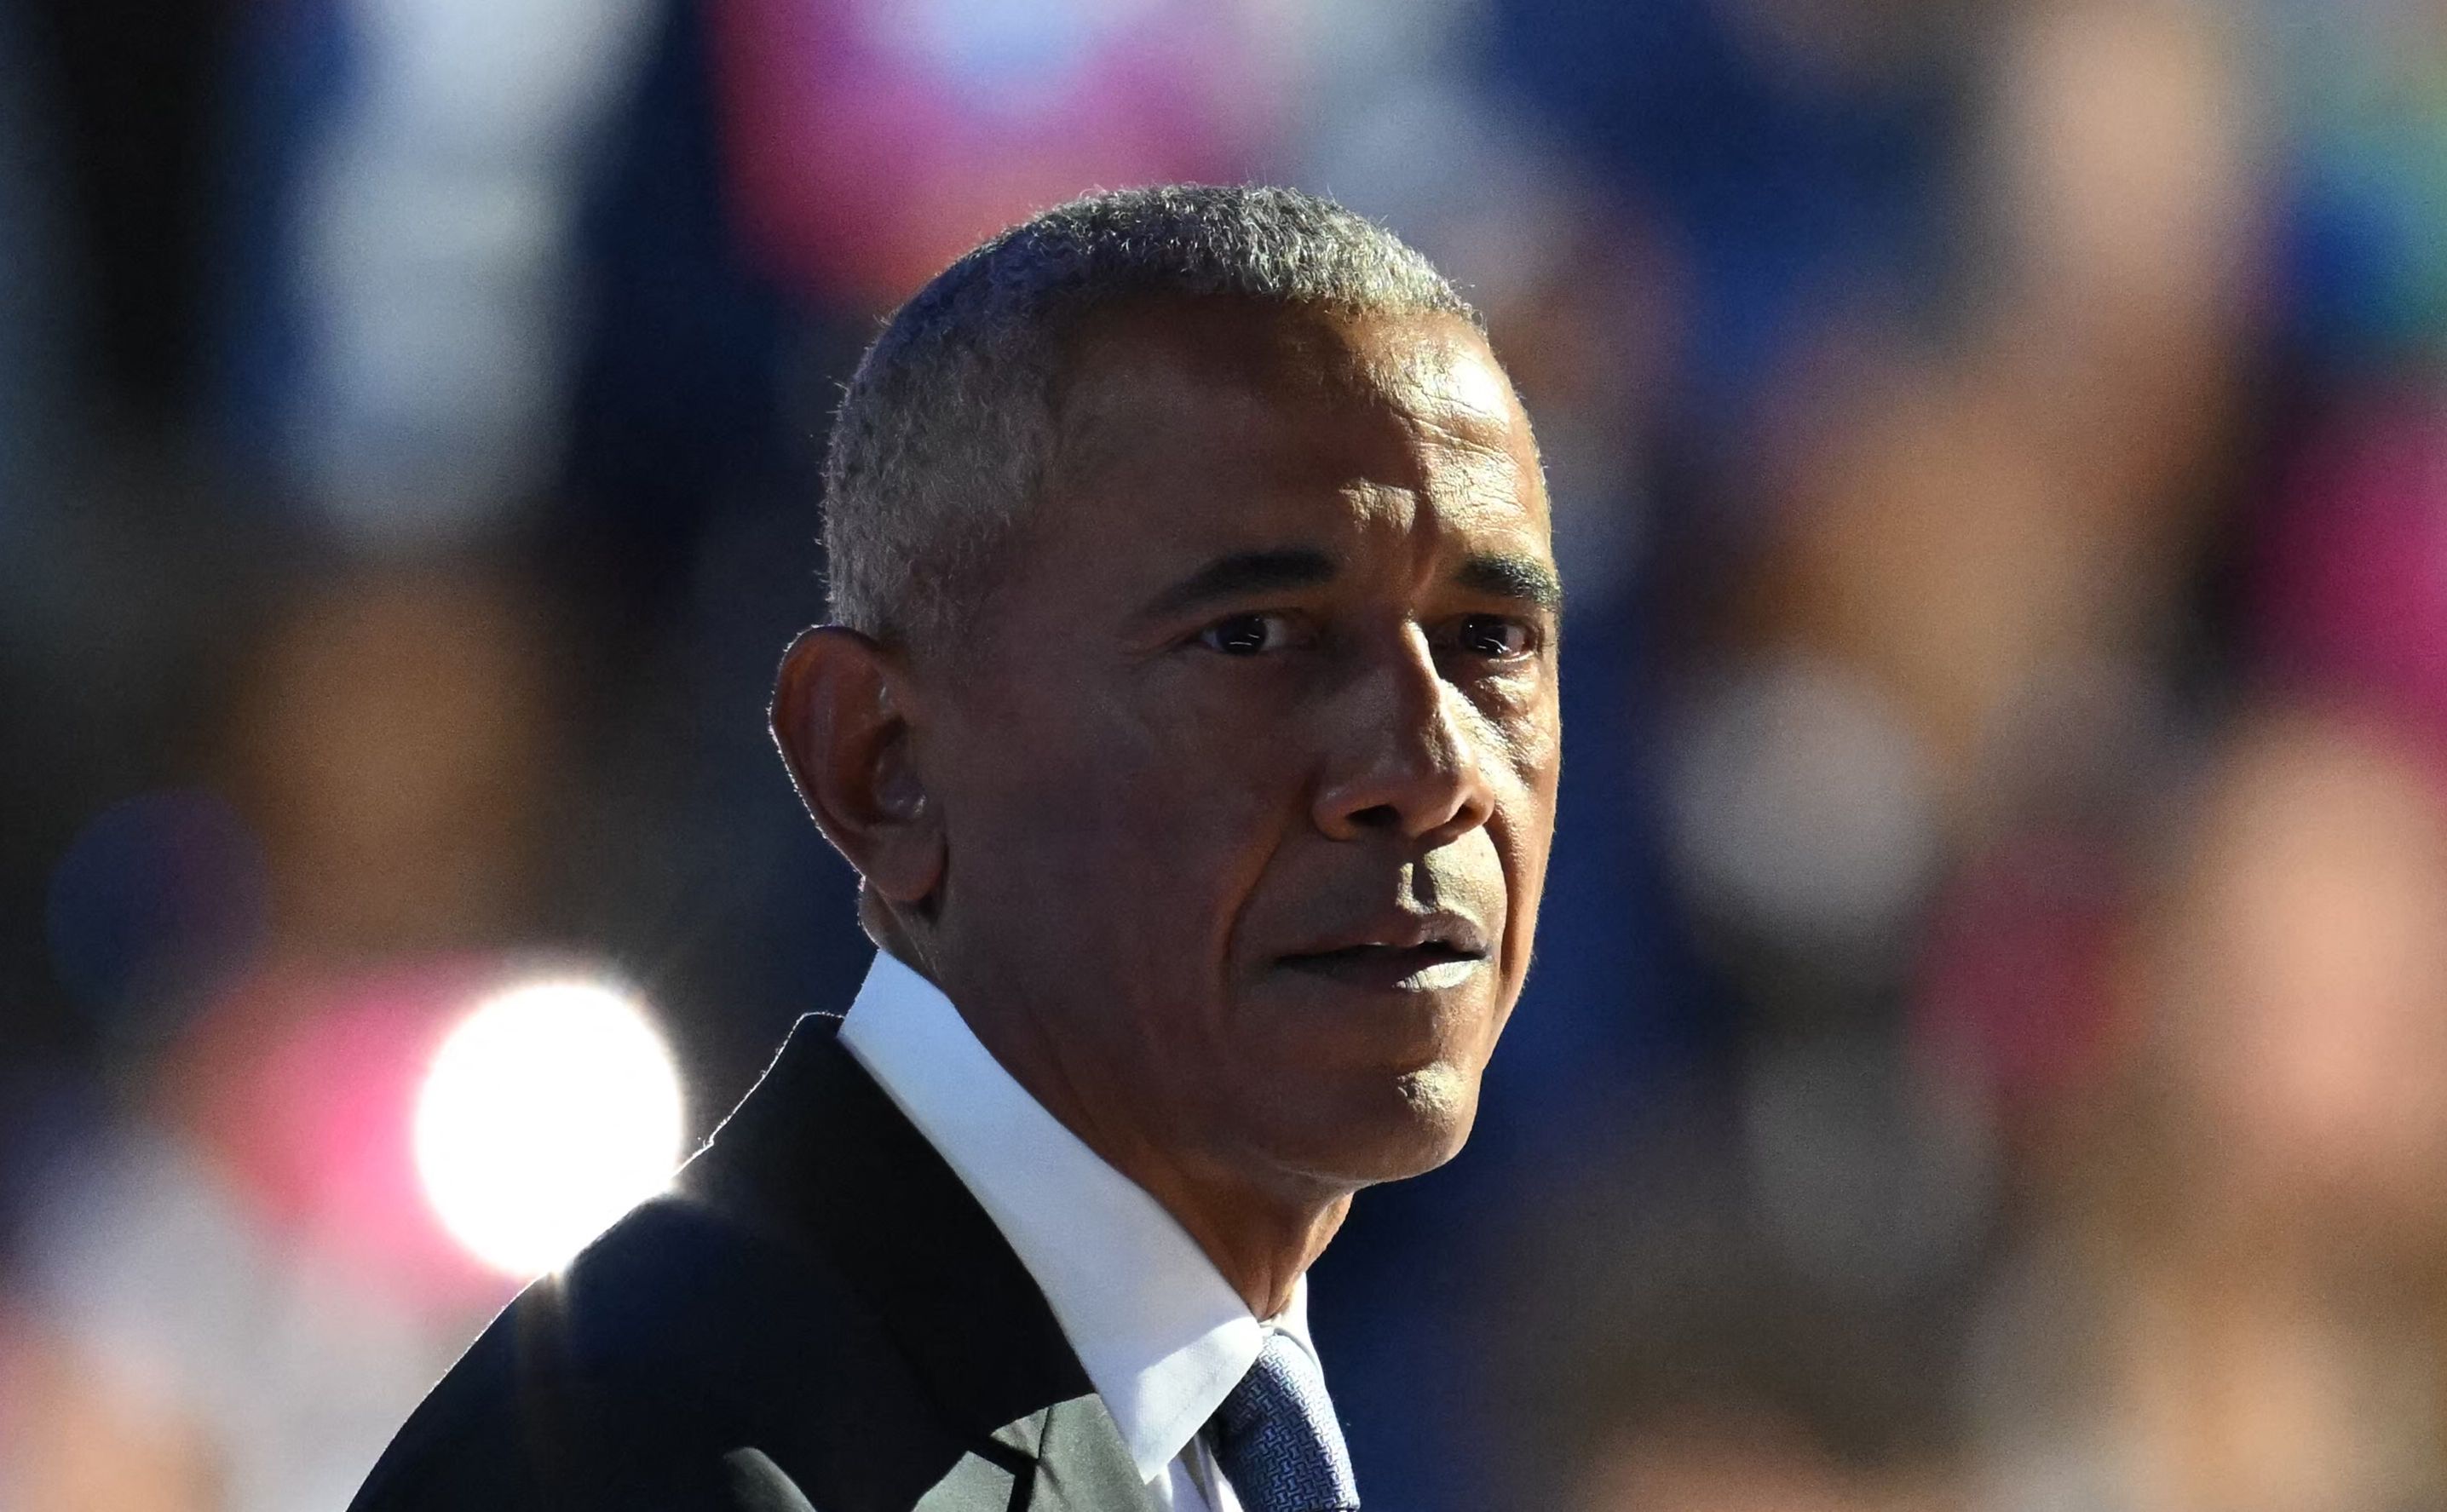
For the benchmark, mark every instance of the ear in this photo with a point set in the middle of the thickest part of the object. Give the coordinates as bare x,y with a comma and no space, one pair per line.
842,707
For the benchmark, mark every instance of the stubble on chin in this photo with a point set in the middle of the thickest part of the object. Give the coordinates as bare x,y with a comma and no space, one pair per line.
1442,1105
1437,1094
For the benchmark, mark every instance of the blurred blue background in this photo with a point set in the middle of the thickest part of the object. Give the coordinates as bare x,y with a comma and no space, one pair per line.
1988,1043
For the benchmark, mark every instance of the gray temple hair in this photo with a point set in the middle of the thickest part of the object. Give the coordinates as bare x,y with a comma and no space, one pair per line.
946,431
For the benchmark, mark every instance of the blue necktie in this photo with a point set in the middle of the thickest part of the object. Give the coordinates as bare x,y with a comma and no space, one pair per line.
1277,1440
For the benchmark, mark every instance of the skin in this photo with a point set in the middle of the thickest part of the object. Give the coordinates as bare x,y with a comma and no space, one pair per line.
1225,828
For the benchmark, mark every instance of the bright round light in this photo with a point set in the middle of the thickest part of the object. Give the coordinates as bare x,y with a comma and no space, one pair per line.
549,1112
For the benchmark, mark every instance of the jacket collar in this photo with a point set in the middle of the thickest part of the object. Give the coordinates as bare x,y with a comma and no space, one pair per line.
817,1156
1162,1335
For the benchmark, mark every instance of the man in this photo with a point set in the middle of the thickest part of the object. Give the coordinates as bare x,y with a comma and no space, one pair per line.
1190,716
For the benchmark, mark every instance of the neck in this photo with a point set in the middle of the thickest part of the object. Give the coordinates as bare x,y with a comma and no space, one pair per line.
1260,1232
1262,1247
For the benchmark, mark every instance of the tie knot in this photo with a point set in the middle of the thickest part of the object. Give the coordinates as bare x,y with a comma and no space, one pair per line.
1277,1439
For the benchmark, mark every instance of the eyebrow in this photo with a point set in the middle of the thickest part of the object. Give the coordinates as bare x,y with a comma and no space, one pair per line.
1242,573
1525,578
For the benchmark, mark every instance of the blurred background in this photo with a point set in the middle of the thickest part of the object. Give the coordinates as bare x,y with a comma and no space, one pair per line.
1989,1042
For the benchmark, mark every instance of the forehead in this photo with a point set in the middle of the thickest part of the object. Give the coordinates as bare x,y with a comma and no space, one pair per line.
1219,417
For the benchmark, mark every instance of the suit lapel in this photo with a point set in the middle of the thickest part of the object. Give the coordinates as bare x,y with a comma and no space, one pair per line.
1083,1465
975,1485
818,1156
1071,1458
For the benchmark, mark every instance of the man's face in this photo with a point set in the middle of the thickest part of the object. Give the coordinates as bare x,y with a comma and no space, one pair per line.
1249,777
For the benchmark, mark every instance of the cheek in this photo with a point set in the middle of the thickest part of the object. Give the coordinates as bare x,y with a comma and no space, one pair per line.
1526,812
1211,754
1518,729
1145,830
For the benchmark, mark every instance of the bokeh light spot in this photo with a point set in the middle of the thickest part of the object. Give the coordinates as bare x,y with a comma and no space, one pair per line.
552,1110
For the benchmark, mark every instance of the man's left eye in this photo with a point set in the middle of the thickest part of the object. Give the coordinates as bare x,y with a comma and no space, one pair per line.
1492,635
1247,635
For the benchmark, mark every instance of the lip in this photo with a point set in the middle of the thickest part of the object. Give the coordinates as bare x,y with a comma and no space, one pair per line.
1400,951
1389,968
1400,929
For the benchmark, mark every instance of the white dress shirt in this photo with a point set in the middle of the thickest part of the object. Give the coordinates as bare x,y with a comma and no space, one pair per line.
1163,1336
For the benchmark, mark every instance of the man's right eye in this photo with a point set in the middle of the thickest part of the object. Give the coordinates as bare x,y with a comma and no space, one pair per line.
1246,635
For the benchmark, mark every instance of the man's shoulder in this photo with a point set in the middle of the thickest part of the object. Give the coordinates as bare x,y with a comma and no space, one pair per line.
637,1376
818,1313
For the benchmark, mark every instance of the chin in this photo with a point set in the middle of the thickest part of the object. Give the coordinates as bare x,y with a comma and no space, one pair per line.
1397,1125
1444,1106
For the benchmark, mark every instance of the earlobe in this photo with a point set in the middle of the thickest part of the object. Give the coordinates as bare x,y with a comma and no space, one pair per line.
842,718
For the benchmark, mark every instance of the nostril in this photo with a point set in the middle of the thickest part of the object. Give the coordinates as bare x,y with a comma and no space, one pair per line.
1381,816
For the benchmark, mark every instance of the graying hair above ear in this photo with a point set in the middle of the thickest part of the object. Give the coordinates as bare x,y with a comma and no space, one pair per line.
947,427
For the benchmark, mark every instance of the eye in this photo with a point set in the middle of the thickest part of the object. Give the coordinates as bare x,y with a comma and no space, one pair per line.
1494,637
1247,635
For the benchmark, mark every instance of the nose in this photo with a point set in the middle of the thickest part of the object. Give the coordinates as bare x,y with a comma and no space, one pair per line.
1409,759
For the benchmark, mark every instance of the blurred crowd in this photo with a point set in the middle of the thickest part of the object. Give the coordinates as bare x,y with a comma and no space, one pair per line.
1988,1046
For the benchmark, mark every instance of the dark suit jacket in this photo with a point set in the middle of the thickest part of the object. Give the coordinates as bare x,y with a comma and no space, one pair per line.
818,1317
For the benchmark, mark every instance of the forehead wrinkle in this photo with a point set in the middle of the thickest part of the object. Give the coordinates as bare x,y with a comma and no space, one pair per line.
1409,407
1466,481
1442,375
1446,384
1469,436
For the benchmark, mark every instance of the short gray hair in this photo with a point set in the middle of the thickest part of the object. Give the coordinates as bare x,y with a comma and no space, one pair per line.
947,430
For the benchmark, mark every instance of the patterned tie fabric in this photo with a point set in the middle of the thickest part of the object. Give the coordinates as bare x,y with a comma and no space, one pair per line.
1277,1440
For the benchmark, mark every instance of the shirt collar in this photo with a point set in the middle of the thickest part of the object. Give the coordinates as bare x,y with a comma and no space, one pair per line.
1161,1334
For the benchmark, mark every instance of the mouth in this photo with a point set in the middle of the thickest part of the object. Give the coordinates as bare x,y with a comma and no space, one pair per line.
1426,967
